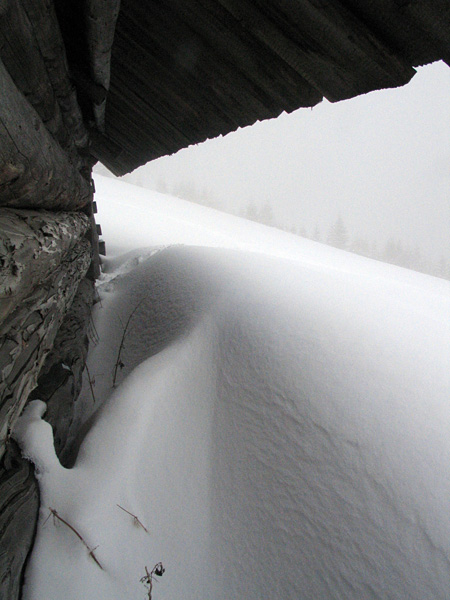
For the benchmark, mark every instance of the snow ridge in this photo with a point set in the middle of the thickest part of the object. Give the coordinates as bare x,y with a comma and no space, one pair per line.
281,429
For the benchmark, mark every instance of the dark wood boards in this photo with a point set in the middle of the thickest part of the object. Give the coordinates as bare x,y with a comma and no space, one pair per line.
418,31
325,43
60,380
21,56
43,259
185,72
19,506
32,51
40,235
34,170
156,77
52,47
101,17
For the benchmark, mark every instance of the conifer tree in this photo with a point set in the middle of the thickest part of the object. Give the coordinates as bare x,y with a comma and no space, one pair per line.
338,236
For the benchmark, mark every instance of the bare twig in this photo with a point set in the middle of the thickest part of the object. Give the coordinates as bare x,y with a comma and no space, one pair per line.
91,382
136,520
97,298
92,331
78,534
149,578
119,363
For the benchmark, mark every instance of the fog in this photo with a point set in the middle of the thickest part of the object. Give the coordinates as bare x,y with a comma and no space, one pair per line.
379,162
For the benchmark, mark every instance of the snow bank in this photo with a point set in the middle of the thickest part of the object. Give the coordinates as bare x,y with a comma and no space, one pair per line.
281,428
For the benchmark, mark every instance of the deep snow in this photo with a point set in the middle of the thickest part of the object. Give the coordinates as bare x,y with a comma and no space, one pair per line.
282,425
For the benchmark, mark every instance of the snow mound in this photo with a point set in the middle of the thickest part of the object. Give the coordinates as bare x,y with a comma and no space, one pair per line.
281,428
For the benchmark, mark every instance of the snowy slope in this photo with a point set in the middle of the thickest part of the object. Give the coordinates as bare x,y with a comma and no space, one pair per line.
282,425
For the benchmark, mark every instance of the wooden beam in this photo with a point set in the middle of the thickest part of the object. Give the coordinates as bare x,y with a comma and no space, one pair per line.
43,258
42,16
21,56
101,18
61,377
34,170
44,236
317,41
19,508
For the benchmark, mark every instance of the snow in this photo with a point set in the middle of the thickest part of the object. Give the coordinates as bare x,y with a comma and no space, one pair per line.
281,425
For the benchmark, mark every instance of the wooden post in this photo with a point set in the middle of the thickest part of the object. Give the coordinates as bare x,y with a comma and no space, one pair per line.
101,17
34,170
19,507
42,16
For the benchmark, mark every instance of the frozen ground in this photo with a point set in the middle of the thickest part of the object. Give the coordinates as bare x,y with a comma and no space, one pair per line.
281,427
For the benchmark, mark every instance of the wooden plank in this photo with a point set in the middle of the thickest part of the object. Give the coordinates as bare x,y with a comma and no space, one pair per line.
34,170
61,377
41,235
317,42
42,16
35,301
19,507
21,56
101,17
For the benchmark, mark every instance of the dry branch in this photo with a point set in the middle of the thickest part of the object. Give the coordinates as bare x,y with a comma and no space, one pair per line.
136,520
119,363
148,578
79,536
91,382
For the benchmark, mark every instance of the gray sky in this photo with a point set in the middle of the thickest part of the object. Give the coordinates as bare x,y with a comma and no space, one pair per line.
381,160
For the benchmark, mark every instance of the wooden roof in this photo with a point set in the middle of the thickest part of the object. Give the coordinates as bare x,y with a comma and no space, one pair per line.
154,77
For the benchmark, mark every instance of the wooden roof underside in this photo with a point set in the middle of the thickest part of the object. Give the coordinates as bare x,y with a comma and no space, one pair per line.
155,77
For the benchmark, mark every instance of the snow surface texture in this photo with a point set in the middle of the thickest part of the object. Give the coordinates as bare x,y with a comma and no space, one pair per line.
283,430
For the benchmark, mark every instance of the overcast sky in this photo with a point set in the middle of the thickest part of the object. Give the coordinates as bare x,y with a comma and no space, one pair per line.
381,160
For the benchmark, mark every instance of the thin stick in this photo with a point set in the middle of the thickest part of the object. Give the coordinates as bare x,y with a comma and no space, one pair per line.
118,361
148,578
135,518
93,330
90,382
79,536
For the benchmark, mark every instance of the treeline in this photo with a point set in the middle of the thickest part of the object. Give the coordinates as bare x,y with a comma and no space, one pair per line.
393,251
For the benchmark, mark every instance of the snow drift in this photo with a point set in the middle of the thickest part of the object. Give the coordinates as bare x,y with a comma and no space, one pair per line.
282,427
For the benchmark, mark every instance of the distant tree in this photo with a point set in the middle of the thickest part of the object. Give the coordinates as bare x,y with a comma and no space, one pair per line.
185,190
266,215
418,261
374,252
442,268
316,233
338,235
393,252
251,212
360,246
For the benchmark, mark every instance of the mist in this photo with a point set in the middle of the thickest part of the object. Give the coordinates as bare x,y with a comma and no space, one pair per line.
377,164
